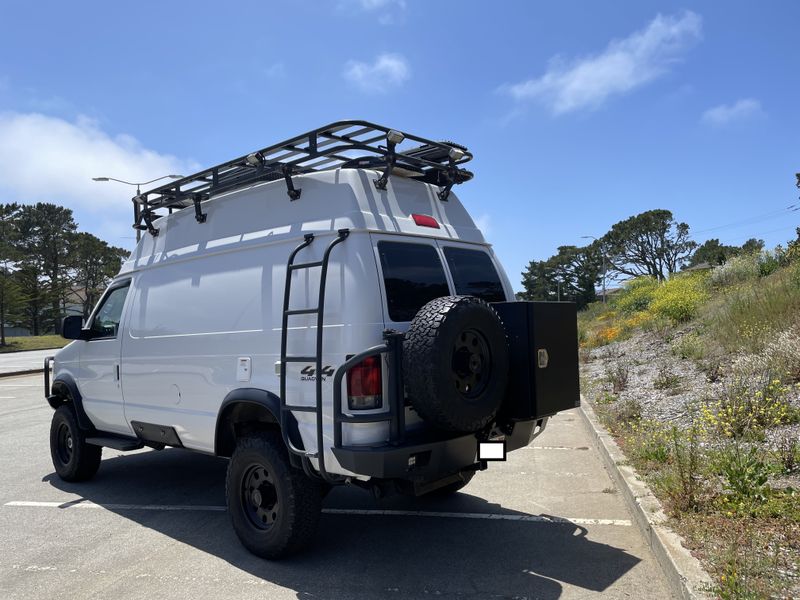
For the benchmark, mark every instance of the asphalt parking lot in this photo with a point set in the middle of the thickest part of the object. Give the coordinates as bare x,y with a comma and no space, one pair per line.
14,362
545,524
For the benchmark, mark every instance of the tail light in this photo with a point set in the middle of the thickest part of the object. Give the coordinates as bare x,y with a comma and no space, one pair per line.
365,385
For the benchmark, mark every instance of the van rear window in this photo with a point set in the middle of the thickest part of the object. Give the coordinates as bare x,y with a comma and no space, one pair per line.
474,274
413,276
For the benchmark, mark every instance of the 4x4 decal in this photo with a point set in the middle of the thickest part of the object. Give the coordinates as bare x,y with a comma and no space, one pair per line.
309,373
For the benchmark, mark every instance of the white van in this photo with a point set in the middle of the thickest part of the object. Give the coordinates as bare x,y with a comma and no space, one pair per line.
323,312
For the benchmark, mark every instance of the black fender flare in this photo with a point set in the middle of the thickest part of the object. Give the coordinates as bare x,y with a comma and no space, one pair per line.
240,398
64,389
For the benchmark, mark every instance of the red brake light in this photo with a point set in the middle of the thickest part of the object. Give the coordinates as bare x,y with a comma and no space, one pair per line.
365,384
425,221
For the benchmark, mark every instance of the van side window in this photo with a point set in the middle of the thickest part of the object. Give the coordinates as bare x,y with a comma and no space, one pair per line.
474,274
106,321
413,276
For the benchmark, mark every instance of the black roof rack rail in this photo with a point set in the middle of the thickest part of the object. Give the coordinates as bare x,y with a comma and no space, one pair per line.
343,144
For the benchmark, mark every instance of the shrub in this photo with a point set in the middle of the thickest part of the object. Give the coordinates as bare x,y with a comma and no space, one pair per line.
736,270
627,411
787,451
686,448
782,355
748,317
750,402
648,441
636,295
689,346
679,298
617,374
745,473
667,379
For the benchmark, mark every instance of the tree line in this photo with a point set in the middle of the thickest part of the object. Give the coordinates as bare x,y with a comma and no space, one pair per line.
46,264
651,243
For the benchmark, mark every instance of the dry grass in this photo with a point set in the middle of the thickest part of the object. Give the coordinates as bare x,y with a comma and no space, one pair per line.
39,342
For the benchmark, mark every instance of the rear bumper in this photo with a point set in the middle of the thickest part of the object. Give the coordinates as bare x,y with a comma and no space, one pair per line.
427,459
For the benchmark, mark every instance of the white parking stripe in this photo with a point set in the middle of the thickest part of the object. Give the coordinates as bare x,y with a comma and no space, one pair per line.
83,504
555,448
334,511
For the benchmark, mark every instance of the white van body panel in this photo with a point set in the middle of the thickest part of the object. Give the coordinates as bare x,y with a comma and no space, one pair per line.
204,295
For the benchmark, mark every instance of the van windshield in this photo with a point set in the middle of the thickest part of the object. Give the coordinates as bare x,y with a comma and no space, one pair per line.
413,276
474,274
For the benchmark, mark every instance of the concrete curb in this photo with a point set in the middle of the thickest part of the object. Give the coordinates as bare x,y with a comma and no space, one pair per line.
24,372
683,571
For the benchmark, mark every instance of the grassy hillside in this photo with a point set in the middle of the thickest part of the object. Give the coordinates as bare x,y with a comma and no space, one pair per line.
38,342
699,380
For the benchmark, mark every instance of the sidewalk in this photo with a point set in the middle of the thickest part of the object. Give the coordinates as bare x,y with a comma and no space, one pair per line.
23,362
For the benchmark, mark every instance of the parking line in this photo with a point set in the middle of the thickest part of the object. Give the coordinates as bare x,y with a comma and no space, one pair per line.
334,511
556,448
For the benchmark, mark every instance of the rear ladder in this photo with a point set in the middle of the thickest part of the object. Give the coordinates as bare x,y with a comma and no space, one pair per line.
319,310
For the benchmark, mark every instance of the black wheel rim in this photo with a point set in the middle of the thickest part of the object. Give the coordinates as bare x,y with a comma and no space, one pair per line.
471,363
65,446
259,497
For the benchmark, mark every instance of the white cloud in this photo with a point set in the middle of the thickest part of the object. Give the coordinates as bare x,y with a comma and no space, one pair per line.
386,72
585,83
388,11
48,159
275,71
726,113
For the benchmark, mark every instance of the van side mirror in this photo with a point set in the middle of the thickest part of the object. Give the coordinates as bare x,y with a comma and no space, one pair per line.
72,327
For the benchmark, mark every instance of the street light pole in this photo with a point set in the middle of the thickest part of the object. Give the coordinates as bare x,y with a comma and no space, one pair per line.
138,193
603,254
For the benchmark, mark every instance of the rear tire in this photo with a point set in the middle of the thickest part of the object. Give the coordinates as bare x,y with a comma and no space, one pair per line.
73,458
273,507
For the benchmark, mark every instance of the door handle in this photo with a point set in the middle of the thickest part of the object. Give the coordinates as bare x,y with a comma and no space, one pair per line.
116,371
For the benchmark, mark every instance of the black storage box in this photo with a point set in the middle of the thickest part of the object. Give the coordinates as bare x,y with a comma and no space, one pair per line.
543,351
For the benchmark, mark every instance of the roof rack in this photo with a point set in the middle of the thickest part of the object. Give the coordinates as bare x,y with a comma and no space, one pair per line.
343,144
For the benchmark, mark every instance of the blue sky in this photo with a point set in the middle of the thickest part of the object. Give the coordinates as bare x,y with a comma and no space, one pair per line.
579,114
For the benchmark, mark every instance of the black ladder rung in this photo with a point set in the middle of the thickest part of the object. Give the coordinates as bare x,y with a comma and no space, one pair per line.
300,408
373,418
308,265
301,359
302,311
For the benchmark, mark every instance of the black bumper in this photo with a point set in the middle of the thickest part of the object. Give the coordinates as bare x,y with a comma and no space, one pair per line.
423,459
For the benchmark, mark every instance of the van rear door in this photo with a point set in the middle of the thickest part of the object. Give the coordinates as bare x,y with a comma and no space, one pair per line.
412,274
474,272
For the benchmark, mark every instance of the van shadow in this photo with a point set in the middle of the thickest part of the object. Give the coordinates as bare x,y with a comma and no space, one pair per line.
365,556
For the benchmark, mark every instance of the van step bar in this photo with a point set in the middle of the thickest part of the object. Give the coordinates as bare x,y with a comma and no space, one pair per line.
316,358
117,442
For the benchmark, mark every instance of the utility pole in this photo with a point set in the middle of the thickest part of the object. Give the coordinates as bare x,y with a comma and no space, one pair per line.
138,184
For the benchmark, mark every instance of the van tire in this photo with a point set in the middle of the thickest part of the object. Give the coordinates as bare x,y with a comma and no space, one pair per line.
296,498
455,363
73,459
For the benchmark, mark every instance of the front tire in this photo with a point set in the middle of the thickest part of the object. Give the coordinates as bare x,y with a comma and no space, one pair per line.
73,458
274,508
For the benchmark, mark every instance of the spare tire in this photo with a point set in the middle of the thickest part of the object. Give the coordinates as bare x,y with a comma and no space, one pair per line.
455,363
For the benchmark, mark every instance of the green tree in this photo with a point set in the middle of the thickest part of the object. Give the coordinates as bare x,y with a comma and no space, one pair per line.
571,274
650,243
33,296
9,291
752,245
45,237
538,282
94,264
713,253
